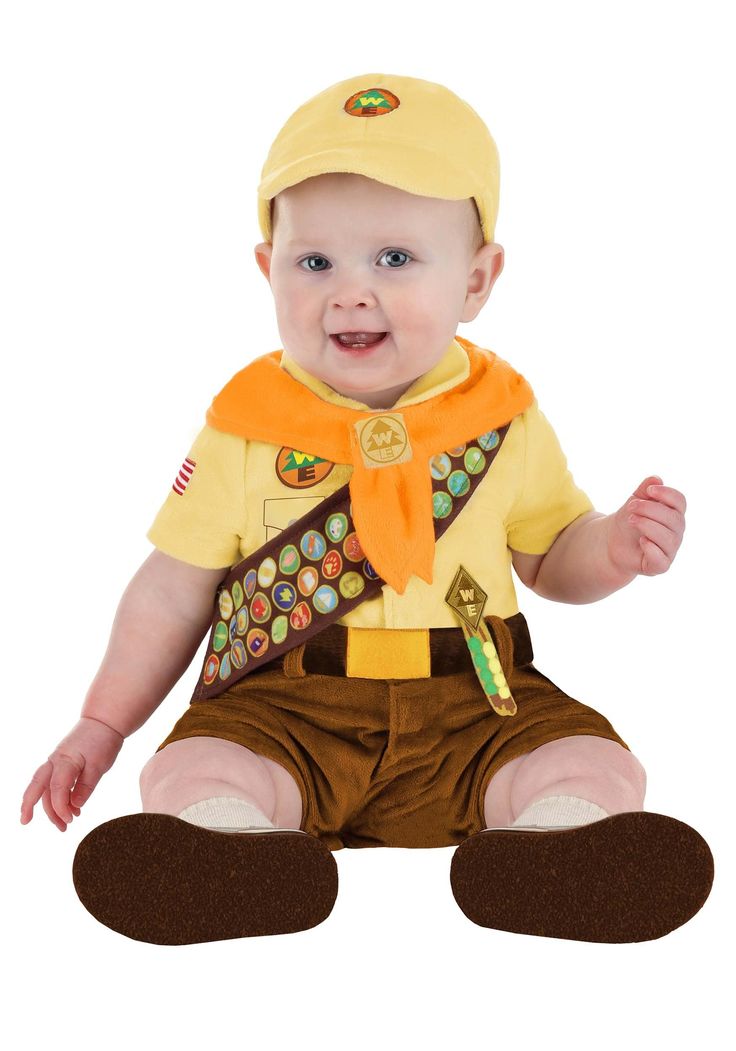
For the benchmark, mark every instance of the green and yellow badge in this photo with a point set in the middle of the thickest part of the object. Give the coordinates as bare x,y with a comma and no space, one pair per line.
301,470
466,598
373,102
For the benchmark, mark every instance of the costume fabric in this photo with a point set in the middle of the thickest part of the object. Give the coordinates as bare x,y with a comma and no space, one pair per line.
241,492
391,490
392,762
399,761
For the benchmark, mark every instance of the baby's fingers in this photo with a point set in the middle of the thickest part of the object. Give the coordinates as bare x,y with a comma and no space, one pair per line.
85,786
51,813
38,785
65,774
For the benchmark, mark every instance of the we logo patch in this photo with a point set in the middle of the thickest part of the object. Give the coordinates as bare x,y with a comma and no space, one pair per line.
384,440
301,470
372,102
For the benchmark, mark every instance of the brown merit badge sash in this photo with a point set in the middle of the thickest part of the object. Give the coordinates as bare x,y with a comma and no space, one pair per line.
315,571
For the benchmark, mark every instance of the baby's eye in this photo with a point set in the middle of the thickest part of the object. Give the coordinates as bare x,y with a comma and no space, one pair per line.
314,270
394,255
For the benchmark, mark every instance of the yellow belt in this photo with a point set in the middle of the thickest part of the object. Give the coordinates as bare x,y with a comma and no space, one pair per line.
388,653
404,653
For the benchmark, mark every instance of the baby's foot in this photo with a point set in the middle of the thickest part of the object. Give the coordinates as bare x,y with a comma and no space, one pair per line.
628,878
157,878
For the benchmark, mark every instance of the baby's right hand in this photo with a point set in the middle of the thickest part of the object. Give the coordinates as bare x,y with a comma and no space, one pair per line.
69,776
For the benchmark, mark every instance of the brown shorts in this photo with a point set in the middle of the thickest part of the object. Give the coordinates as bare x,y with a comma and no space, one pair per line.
392,762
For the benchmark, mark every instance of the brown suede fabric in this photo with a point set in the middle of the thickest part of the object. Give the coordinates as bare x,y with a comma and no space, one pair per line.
392,762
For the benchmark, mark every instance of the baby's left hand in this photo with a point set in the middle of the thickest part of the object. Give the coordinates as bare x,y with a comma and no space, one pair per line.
647,531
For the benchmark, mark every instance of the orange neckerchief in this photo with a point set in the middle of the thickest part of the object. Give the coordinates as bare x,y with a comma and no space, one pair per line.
391,504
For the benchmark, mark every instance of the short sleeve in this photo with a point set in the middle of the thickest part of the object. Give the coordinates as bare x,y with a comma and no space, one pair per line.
548,500
203,517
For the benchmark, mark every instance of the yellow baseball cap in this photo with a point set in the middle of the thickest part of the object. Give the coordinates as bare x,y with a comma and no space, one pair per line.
403,131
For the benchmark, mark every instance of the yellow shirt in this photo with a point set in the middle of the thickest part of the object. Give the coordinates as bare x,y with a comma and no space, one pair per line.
233,500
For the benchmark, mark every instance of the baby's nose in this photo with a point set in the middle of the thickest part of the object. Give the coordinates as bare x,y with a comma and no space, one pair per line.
353,294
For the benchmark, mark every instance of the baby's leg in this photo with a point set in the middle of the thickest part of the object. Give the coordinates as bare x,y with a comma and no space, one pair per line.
582,859
198,768
174,882
591,768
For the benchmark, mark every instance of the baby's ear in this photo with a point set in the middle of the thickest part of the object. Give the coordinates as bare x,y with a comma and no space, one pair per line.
487,265
263,258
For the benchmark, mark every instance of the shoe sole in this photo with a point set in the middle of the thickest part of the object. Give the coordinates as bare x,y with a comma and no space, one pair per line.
159,879
631,877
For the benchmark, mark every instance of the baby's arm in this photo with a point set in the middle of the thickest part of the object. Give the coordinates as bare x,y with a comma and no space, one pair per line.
162,617
598,554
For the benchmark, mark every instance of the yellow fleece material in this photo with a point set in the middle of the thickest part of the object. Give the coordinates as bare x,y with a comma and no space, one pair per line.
235,501
390,484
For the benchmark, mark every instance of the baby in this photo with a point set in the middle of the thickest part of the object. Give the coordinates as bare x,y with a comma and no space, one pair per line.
344,524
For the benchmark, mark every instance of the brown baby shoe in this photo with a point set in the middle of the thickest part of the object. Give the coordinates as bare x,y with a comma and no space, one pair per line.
631,877
157,878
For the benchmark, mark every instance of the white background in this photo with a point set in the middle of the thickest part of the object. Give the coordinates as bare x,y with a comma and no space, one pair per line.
133,137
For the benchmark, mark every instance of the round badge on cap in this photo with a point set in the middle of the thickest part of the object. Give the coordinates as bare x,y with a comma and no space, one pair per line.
372,102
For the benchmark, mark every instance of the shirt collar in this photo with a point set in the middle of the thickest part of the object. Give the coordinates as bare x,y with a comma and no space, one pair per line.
452,368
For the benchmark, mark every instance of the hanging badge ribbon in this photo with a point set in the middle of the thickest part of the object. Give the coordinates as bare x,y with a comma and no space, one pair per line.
466,599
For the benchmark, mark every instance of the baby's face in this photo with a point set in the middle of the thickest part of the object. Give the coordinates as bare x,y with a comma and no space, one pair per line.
350,254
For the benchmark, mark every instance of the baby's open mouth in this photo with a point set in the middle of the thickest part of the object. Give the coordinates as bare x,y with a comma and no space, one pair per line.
358,340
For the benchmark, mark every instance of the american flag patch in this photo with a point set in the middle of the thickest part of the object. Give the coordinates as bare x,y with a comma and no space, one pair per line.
182,479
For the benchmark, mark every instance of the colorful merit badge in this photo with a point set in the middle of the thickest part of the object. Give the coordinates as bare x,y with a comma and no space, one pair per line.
466,599
315,570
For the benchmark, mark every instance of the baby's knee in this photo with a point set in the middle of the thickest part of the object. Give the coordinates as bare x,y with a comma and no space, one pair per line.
158,769
582,756
196,765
